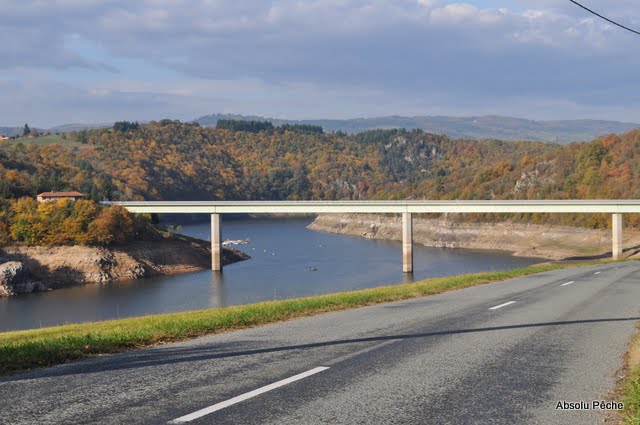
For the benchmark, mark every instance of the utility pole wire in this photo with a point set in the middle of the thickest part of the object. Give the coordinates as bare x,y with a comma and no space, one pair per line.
603,17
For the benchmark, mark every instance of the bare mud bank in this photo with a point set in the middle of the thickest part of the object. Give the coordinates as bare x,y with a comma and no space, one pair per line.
528,240
27,269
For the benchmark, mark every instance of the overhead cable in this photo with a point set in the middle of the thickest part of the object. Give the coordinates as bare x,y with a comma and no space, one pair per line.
604,17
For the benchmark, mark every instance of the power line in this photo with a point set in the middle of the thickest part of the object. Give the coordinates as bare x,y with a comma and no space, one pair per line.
605,18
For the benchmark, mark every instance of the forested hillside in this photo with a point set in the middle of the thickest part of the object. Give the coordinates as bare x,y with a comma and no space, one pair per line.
180,161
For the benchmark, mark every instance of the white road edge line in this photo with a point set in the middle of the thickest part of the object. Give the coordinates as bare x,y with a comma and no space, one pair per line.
597,273
218,406
502,305
568,283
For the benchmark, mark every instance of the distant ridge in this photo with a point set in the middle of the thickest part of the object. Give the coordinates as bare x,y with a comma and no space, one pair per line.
67,128
11,131
482,127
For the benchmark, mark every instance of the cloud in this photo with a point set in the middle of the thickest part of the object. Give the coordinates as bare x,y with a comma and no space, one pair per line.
411,55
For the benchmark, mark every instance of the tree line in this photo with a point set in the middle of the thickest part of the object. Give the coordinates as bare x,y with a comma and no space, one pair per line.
252,126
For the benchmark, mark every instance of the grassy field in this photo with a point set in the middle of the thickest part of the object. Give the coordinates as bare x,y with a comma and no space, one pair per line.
24,350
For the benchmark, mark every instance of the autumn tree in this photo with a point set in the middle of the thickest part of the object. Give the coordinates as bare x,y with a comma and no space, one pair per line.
113,225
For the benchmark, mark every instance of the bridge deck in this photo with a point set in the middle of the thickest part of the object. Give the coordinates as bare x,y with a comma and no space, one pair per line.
406,208
383,207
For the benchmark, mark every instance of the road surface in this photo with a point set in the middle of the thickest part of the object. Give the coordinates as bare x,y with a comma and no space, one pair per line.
502,353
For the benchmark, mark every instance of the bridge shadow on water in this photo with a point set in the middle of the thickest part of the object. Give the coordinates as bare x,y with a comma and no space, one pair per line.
167,355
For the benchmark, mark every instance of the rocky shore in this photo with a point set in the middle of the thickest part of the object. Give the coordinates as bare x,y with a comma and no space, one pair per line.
528,240
28,269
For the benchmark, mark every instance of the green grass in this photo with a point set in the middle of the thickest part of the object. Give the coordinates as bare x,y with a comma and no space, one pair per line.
24,350
629,388
631,400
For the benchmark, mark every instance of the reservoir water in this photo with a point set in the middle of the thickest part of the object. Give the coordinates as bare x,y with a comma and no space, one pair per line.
283,254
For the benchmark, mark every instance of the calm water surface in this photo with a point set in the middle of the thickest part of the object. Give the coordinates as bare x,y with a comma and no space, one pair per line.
282,251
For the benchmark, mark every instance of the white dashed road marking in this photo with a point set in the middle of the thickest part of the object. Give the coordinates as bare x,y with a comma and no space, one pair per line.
219,406
502,305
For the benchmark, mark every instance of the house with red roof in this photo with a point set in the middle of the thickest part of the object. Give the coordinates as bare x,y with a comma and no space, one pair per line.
54,196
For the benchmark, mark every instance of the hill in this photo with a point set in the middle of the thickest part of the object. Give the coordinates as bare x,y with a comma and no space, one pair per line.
59,129
68,128
480,127
11,131
483,127
15,131
170,160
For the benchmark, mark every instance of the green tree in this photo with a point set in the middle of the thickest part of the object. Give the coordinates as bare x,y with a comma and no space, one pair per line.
26,130
5,237
26,225
124,126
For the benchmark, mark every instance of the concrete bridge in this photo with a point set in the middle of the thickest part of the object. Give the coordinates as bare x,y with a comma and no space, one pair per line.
614,207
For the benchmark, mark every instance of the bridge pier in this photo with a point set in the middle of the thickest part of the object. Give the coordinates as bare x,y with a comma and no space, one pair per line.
407,242
216,243
616,228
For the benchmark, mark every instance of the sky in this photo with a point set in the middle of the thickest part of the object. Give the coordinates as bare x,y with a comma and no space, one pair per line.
94,61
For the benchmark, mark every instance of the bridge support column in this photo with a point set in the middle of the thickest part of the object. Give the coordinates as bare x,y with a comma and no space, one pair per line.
407,243
216,243
616,227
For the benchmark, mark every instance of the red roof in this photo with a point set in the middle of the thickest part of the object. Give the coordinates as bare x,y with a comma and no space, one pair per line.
61,195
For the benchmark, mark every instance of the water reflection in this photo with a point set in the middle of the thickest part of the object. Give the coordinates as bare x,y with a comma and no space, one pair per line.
217,289
407,278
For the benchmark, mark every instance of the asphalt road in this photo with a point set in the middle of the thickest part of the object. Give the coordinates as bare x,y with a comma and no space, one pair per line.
446,359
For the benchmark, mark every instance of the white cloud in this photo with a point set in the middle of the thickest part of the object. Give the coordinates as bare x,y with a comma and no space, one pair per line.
460,53
454,13
428,3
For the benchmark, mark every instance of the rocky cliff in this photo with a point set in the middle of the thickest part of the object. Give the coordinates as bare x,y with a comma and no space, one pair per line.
28,269
14,278
531,240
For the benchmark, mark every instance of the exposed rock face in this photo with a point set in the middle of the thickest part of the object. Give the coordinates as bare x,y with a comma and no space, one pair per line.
14,279
63,266
542,241
536,179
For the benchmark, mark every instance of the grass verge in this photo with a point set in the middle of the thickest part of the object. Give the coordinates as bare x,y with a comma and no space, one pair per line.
629,388
24,350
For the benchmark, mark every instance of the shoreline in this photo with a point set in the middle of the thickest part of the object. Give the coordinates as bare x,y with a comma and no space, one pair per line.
36,348
545,242
26,269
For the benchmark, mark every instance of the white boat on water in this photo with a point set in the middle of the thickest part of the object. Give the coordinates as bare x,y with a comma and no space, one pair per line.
235,242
